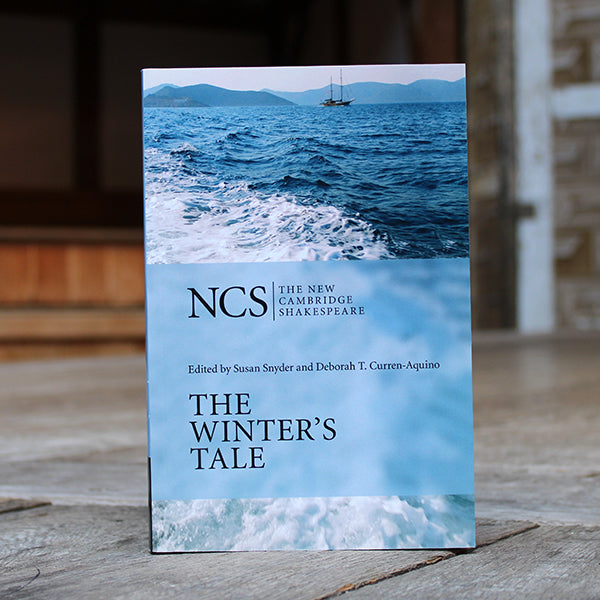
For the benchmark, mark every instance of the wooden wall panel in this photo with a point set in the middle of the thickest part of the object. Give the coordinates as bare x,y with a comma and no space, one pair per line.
72,298
86,275
50,270
75,274
17,274
125,267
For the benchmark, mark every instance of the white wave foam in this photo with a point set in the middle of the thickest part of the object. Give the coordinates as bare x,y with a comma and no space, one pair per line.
232,223
313,523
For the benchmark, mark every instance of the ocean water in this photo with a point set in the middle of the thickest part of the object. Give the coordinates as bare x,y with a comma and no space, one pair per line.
306,183
313,523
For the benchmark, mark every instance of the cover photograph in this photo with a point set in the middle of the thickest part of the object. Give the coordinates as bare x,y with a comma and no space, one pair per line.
308,308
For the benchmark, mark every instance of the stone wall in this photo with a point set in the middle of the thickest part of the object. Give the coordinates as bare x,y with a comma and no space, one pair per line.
576,48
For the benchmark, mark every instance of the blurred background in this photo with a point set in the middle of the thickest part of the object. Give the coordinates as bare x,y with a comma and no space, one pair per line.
71,206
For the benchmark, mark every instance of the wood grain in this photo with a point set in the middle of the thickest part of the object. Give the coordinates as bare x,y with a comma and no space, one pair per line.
71,274
102,552
548,562
72,433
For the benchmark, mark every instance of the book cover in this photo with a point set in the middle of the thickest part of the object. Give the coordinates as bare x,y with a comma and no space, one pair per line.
308,308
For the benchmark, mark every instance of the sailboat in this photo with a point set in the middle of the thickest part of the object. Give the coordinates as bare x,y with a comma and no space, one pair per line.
341,102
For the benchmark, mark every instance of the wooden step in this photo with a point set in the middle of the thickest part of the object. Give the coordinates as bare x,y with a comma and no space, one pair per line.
44,332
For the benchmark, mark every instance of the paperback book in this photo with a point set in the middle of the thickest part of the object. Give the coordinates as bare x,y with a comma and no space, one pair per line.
308,308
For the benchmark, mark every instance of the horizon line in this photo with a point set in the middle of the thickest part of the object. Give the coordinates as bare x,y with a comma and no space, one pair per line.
166,84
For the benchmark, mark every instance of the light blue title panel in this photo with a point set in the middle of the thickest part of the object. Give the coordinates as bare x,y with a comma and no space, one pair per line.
310,379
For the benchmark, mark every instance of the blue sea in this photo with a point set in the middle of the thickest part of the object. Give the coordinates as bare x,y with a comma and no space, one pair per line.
306,183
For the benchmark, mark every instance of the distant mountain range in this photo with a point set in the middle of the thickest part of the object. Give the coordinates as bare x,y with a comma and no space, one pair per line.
210,95
370,92
424,90
157,88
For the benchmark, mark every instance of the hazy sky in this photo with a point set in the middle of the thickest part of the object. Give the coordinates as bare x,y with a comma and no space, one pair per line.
298,79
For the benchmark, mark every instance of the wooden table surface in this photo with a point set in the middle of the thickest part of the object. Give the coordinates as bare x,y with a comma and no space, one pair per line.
74,522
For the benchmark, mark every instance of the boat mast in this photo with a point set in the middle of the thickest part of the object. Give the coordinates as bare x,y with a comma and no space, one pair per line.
341,87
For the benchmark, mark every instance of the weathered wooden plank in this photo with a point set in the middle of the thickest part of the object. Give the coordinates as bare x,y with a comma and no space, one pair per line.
508,366
489,531
15,504
536,429
107,478
102,551
535,435
547,562
74,431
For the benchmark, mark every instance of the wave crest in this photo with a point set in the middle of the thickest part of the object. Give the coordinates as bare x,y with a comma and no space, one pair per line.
313,523
231,222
